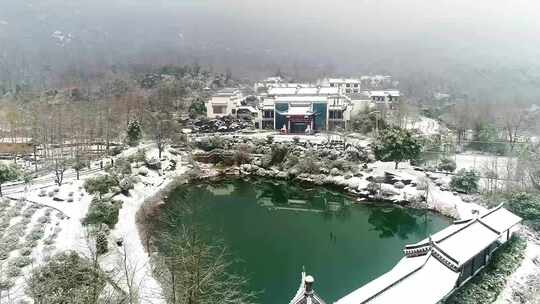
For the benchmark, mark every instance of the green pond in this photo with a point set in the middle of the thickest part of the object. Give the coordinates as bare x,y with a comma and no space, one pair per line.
276,229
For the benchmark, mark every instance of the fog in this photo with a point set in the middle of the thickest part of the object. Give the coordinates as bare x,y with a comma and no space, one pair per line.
477,47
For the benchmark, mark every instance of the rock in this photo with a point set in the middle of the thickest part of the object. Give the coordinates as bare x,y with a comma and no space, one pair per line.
126,184
348,176
324,170
399,185
335,172
143,172
421,186
153,163
293,172
261,172
439,182
282,175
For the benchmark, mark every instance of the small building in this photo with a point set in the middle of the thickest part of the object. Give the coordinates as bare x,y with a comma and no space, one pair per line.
224,103
345,85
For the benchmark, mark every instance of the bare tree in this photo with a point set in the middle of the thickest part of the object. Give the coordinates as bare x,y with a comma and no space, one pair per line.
194,269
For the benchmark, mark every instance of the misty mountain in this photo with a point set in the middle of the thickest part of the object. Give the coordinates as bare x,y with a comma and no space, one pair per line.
486,49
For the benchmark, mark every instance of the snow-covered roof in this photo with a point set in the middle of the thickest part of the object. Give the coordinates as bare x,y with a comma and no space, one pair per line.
280,91
249,108
431,267
500,219
305,296
384,93
468,242
315,98
344,80
227,92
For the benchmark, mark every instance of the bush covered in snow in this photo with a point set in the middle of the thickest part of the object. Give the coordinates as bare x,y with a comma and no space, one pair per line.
21,261
126,184
13,271
102,212
65,276
527,206
447,165
6,284
465,181
100,185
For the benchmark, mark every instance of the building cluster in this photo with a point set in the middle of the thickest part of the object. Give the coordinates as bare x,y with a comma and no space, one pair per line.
326,105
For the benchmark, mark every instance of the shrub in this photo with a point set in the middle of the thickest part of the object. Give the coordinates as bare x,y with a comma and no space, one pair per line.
4,254
100,185
113,151
341,165
21,261
126,184
134,133
241,155
35,234
65,276
13,271
44,219
527,206
447,165
465,181
102,212
102,243
122,166
25,251
277,155
308,165
6,284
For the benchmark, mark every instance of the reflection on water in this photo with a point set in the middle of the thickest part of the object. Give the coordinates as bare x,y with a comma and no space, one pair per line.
278,195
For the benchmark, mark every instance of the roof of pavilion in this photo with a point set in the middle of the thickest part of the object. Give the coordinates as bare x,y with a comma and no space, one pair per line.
302,298
431,267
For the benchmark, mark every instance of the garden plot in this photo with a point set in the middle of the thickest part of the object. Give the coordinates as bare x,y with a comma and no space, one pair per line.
28,234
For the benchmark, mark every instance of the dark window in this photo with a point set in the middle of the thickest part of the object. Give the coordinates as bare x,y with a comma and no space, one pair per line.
268,114
348,85
356,85
347,90
332,85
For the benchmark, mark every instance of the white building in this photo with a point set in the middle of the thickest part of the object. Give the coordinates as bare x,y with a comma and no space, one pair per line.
345,85
304,109
384,97
224,103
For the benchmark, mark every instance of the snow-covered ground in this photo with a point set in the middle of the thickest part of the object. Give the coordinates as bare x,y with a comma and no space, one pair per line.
70,233
425,125
67,205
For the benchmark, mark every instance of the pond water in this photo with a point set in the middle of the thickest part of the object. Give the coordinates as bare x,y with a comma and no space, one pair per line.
276,229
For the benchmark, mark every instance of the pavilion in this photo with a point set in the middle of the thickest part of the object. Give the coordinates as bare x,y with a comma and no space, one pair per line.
434,268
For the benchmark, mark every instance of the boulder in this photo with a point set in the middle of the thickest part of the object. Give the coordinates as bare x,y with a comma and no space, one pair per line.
335,172
399,185
143,172
153,163
282,175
